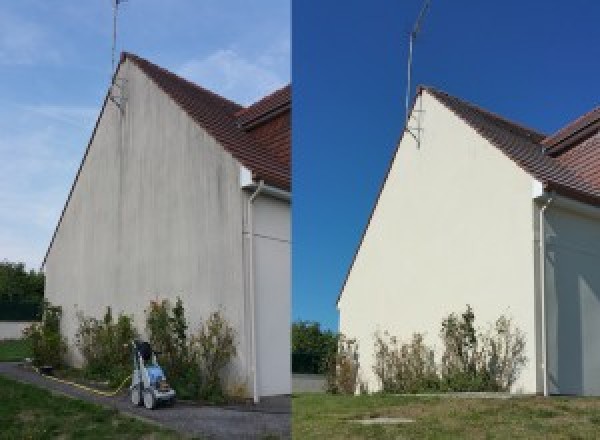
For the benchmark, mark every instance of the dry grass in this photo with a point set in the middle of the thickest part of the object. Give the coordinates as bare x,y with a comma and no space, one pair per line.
325,416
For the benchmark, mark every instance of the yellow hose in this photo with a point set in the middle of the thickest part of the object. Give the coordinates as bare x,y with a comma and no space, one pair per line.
83,387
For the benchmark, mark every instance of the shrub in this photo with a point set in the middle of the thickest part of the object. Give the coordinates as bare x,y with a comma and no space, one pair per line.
472,360
106,345
342,368
477,361
214,348
48,346
404,367
167,331
505,352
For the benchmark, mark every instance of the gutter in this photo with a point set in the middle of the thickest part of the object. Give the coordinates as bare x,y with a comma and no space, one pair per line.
542,240
250,287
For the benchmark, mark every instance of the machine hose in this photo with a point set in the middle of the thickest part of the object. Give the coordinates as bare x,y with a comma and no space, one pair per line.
83,387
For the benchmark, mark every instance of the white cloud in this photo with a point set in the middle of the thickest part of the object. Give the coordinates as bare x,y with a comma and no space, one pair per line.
41,146
77,116
24,42
229,74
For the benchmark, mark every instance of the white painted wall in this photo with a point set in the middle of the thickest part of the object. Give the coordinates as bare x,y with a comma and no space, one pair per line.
453,227
573,300
13,329
158,212
272,247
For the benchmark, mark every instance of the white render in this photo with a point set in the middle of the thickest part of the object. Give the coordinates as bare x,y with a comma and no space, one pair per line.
453,226
13,329
573,298
158,212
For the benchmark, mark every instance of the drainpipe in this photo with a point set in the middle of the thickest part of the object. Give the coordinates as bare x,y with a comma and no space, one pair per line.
250,269
542,240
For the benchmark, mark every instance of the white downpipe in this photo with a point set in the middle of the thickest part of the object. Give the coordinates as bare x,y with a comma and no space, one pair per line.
542,240
250,269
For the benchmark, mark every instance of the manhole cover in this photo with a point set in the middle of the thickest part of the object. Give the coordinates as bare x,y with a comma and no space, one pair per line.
384,421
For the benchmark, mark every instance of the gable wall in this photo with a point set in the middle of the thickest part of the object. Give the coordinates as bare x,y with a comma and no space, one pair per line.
157,212
453,226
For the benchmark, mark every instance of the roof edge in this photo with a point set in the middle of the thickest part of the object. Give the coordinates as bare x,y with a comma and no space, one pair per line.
419,90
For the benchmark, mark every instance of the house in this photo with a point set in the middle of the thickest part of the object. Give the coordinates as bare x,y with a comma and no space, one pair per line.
479,210
182,192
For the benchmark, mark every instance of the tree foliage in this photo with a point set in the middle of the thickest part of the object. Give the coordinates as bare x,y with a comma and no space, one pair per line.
312,345
18,283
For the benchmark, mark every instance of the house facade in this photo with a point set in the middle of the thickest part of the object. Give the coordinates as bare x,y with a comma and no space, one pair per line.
183,193
478,210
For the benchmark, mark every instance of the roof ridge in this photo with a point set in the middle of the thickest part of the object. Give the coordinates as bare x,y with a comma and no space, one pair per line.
263,99
137,58
572,129
490,113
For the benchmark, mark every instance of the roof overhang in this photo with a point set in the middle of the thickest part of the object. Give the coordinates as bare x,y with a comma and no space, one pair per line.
249,183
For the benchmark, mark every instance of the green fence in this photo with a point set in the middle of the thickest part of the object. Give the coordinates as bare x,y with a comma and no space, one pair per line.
20,310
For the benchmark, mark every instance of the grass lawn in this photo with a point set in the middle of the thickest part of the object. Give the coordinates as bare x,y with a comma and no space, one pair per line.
318,416
14,350
30,412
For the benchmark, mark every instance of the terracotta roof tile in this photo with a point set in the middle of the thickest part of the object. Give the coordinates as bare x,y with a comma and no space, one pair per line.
279,100
574,132
524,146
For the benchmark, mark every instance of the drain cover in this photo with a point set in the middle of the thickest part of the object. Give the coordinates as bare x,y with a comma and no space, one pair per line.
384,421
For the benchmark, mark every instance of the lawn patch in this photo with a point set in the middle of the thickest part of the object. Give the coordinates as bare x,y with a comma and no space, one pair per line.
14,350
316,416
31,412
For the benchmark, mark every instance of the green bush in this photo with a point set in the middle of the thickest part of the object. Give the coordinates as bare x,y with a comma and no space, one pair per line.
341,375
481,361
214,347
106,346
48,346
194,366
472,360
166,327
404,367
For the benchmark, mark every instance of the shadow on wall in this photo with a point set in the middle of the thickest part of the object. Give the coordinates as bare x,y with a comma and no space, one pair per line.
573,307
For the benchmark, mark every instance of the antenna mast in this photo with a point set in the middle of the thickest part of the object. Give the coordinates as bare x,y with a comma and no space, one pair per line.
411,40
116,4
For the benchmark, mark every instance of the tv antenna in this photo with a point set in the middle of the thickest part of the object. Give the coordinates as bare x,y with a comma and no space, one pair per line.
415,132
117,98
411,41
115,5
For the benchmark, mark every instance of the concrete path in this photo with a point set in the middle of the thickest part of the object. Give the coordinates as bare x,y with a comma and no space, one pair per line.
271,418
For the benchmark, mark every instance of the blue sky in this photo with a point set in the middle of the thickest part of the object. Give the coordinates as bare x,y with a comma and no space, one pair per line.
536,62
55,69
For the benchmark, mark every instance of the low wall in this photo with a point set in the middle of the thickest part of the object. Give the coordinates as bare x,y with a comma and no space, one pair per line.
12,329
308,383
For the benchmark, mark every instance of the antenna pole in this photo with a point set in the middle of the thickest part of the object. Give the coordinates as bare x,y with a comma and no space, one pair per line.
411,39
409,74
114,40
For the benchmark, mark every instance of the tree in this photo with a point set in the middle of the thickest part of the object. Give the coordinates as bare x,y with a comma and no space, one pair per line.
311,346
16,283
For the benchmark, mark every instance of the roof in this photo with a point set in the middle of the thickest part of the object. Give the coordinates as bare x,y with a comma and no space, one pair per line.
219,117
527,148
574,132
567,162
266,159
277,101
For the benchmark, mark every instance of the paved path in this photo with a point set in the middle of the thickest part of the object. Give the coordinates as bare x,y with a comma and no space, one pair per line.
271,417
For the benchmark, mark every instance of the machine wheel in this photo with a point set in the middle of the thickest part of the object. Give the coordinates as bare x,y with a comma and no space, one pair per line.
149,400
136,395
171,402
